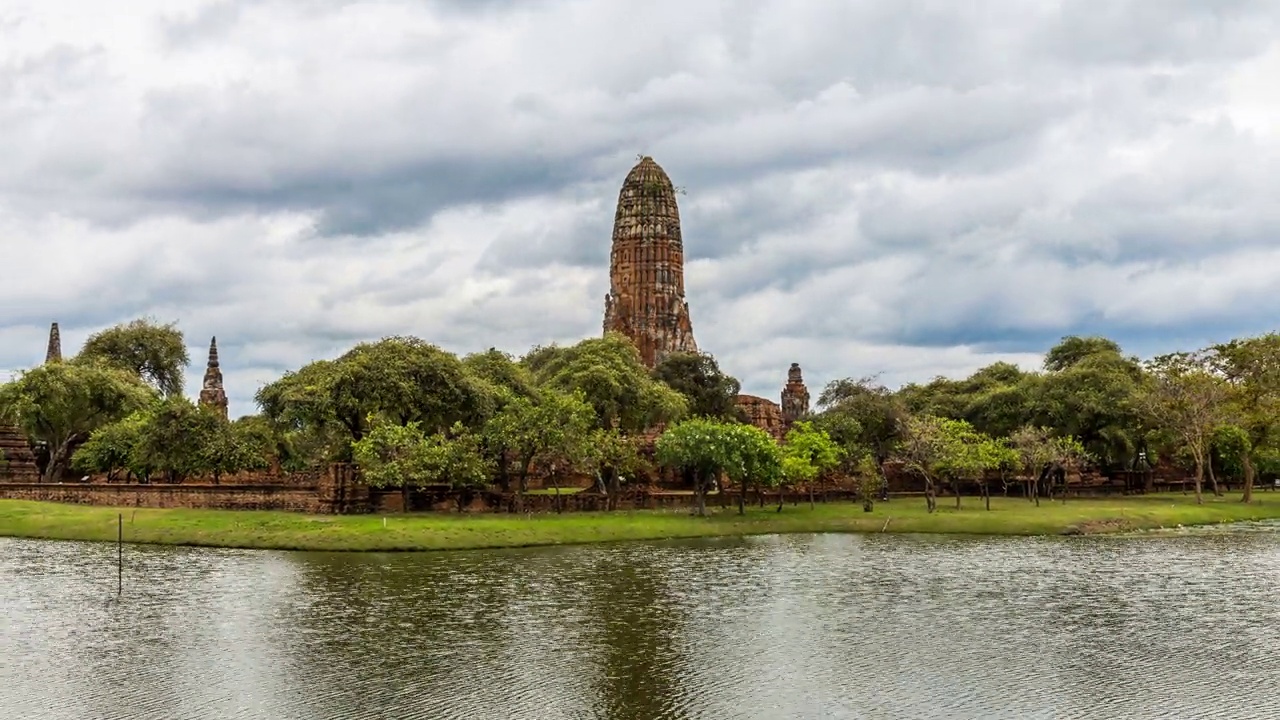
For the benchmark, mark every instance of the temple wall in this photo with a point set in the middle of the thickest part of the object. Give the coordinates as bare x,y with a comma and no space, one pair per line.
217,497
337,489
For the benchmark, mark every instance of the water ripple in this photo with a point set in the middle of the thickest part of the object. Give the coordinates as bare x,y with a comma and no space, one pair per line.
1179,625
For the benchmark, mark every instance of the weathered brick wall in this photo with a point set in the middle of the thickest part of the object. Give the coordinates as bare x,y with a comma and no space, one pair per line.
764,414
240,497
303,478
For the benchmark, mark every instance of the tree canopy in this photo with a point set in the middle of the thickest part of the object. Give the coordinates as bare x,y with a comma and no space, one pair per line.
61,404
697,376
155,353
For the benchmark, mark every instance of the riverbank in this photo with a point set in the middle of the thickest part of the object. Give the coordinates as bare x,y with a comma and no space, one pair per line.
431,531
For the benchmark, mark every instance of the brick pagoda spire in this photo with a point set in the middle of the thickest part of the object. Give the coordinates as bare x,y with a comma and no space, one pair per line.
795,396
646,267
212,394
53,352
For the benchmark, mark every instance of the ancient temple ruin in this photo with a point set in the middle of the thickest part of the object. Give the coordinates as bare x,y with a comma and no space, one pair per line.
764,414
17,460
795,396
53,352
646,267
212,394
774,418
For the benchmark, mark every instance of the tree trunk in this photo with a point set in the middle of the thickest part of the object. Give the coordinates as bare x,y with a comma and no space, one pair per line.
504,475
782,497
700,492
955,487
522,482
742,498
1213,479
986,495
811,505
930,501
615,488
1199,480
58,460
1248,478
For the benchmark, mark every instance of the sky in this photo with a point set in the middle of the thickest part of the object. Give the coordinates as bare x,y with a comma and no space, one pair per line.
900,189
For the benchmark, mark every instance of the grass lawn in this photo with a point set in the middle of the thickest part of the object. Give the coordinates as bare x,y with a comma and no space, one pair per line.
429,531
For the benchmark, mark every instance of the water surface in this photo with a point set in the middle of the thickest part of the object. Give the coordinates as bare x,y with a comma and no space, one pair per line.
828,626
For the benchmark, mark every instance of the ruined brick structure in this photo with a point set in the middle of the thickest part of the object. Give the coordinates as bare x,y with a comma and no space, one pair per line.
646,267
795,396
764,414
212,394
53,353
17,462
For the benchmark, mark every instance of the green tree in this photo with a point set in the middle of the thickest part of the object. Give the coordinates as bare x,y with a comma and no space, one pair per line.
113,449
611,377
508,378
1095,398
760,461
1251,368
1233,448
870,479
860,414
614,382
154,352
401,378
554,425
299,408
940,448
610,451
176,437
1188,401
708,448
61,404
808,453
403,456
697,376
1073,349
1040,453
236,446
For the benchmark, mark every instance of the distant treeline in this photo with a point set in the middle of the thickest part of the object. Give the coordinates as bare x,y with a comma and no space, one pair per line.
412,414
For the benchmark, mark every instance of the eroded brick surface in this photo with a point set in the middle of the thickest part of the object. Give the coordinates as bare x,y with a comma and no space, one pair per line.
646,267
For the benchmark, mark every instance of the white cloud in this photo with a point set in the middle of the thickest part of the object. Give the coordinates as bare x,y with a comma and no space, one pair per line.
909,189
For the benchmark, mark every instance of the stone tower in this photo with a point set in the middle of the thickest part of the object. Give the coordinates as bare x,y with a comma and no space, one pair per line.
212,394
53,353
795,396
646,267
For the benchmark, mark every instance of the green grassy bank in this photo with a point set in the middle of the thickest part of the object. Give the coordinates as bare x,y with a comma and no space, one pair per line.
291,531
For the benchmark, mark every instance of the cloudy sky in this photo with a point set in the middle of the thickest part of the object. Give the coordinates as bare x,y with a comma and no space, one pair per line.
905,188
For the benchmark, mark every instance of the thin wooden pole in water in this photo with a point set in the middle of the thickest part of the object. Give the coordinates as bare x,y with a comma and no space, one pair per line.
120,555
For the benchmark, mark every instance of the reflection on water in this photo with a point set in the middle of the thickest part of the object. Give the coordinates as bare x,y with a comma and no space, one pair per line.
830,626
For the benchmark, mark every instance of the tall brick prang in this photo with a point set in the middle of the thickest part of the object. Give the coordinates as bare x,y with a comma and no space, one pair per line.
53,352
212,394
646,267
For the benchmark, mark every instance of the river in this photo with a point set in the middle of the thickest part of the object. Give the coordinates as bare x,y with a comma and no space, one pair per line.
780,627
